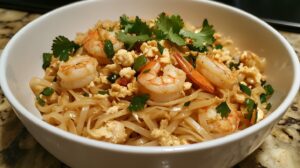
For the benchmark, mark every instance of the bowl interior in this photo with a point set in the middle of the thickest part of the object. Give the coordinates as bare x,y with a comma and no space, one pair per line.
26,48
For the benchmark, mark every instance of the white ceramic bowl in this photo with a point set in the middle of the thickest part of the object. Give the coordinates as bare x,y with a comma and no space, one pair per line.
21,60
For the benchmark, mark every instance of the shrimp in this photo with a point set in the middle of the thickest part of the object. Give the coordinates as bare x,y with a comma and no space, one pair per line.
165,87
77,72
218,74
194,75
217,124
95,47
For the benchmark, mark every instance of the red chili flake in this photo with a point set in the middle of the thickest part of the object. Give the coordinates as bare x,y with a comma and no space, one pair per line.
123,81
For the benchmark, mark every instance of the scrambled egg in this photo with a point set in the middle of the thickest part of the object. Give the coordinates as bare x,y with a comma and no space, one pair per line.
166,139
150,49
112,131
127,72
124,57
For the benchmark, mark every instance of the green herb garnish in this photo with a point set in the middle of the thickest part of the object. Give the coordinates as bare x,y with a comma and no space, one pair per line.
191,59
263,82
263,98
46,60
113,77
103,92
233,65
168,27
136,26
146,71
139,62
218,46
187,103
203,38
85,94
40,101
62,47
138,102
160,48
131,40
193,48
109,49
269,106
48,91
269,90
223,109
245,89
134,31
250,104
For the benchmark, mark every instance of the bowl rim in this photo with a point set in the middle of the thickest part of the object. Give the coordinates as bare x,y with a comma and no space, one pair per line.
278,112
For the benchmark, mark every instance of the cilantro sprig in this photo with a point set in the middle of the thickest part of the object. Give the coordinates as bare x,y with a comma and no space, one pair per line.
137,26
223,109
168,27
134,31
62,47
203,38
131,40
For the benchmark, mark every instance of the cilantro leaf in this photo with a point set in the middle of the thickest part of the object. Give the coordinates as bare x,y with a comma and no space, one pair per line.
139,27
218,46
138,102
130,40
126,24
166,23
46,60
168,27
62,47
223,109
203,38
233,65
175,38
136,26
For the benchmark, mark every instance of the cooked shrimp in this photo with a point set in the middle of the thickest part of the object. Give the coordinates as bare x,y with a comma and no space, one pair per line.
95,47
77,72
217,124
165,87
217,73
194,75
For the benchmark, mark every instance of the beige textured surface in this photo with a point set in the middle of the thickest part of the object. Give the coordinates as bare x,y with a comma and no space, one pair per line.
281,149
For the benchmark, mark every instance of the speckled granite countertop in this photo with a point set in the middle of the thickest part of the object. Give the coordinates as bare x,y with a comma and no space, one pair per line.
18,148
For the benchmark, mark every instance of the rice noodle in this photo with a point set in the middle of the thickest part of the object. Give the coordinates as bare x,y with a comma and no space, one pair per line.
107,99
137,128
